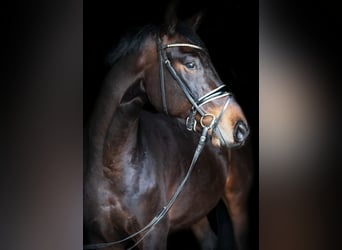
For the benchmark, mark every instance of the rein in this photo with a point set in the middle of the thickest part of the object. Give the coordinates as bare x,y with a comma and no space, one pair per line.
163,212
190,125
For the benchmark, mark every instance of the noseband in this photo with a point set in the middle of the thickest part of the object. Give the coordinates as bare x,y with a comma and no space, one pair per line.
217,93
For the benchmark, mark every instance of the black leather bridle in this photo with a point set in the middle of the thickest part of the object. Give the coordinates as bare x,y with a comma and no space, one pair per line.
217,93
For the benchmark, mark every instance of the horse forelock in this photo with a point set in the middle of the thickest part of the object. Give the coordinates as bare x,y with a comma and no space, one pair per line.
189,34
134,39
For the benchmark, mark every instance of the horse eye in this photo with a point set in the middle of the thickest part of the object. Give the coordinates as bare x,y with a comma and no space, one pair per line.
190,65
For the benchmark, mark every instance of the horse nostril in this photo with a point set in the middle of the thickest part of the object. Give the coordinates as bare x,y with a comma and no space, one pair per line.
241,131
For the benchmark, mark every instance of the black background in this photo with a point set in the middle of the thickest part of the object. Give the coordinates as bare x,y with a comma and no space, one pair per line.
228,28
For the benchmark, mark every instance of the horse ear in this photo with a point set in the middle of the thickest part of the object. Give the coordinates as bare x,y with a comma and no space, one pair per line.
196,20
170,17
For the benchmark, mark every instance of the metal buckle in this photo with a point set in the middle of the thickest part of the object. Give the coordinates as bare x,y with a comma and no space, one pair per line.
191,124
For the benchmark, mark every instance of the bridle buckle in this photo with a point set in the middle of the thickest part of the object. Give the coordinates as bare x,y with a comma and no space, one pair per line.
212,122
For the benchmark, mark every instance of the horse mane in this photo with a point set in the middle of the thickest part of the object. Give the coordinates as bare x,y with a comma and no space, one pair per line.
131,42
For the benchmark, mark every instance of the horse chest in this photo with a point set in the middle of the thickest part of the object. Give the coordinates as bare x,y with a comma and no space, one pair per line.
200,195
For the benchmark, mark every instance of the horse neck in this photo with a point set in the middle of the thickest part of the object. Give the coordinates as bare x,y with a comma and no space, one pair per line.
114,122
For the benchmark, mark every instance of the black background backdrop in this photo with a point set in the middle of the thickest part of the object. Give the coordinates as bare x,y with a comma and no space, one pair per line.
230,31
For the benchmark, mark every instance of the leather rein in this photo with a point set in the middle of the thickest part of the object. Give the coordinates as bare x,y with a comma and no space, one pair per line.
190,125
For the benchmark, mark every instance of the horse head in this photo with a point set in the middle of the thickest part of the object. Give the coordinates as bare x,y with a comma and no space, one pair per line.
181,81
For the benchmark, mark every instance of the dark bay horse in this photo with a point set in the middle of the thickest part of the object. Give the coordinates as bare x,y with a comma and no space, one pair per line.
163,112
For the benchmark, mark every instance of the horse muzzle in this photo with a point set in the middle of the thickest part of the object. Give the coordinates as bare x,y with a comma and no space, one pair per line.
232,129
